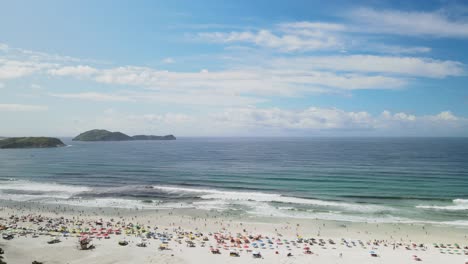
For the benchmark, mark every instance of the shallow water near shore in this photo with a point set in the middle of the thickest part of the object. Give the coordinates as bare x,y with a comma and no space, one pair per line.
379,180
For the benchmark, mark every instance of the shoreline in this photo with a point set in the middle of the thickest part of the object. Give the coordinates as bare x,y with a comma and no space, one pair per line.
192,220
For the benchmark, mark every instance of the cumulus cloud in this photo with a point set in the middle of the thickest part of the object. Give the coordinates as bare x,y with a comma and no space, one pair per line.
316,118
445,116
310,118
254,121
22,108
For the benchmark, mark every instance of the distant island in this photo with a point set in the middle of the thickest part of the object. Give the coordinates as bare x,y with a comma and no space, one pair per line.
105,135
101,135
150,137
30,142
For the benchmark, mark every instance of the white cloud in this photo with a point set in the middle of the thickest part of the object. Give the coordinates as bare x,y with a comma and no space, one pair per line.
445,116
22,108
93,96
287,76
2,85
187,98
305,40
310,118
10,69
259,81
396,49
77,71
315,118
37,56
411,66
312,26
434,24
253,121
305,36
404,117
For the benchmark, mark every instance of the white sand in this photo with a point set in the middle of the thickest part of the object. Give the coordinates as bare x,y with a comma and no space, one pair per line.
25,249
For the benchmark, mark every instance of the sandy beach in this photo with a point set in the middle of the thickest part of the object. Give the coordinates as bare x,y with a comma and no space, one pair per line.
190,236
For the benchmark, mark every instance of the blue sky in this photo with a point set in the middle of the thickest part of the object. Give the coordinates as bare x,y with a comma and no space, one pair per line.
237,68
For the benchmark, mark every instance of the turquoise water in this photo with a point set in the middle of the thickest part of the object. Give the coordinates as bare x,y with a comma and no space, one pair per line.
352,179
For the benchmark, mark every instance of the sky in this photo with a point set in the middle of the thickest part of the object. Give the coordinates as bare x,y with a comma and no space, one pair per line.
234,68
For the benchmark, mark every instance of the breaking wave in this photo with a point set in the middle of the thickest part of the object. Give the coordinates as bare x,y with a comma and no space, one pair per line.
457,205
258,204
209,194
26,190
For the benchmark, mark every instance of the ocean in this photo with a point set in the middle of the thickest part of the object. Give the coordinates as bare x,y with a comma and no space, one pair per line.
383,180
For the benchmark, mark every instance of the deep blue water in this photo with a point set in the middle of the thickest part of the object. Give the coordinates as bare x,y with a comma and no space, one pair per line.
357,179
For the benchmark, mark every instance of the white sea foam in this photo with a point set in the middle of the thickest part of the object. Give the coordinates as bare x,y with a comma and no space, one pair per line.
119,203
20,190
457,205
209,194
265,210
216,205
28,197
42,187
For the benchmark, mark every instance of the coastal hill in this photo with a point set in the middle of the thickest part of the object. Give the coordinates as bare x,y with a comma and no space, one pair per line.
30,142
101,135
105,135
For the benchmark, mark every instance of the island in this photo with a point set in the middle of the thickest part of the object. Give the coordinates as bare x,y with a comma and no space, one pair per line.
30,142
105,135
101,135
150,137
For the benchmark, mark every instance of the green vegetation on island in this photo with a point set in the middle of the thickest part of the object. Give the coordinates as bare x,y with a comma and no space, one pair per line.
101,135
30,142
105,135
